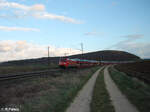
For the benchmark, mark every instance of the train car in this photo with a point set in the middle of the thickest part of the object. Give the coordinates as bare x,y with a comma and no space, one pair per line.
78,63
115,62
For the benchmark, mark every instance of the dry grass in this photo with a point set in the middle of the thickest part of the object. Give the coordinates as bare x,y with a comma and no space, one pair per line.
20,69
136,91
44,93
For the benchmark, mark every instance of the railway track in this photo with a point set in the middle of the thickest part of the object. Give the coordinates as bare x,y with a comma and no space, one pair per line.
52,72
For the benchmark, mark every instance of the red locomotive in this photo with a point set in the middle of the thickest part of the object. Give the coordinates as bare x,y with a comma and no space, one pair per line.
67,62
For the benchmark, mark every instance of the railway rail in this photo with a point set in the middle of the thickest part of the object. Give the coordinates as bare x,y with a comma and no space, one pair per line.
53,72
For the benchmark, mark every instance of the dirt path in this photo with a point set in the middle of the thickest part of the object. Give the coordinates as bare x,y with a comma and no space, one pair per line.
120,102
82,102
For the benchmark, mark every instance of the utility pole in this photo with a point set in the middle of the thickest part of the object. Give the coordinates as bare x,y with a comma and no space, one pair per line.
100,58
48,55
82,50
65,54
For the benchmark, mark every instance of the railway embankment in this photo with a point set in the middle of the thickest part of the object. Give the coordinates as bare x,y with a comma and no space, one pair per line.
44,93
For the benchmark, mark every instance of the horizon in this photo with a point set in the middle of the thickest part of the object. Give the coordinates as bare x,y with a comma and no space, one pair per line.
68,56
27,28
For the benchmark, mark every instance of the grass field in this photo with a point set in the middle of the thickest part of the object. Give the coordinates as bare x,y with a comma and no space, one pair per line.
24,68
136,91
139,69
45,94
100,100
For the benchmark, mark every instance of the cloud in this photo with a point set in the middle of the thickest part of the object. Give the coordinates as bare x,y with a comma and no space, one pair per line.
36,7
6,28
129,39
140,49
45,15
37,11
90,33
5,46
94,33
130,45
15,50
134,36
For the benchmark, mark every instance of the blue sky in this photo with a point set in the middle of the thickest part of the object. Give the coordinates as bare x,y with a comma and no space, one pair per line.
64,24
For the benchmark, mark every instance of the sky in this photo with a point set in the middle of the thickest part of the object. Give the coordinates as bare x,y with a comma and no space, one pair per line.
28,27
